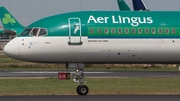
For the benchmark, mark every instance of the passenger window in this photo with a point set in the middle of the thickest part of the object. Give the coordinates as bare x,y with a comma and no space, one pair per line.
92,31
99,31
119,31
153,31
147,31
113,31
35,31
106,30
160,31
167,31
140,31
133,31
42,32
173,31
126,30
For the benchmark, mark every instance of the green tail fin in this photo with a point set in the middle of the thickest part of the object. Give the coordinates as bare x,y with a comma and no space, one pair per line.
8,20
122,5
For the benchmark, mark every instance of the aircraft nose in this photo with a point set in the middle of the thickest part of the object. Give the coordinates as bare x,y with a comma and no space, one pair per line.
11,49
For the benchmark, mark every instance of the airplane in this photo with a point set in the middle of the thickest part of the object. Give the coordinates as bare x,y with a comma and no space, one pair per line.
82,37
10,24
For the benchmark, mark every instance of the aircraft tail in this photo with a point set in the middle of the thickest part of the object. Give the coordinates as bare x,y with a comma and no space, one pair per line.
8,20
139,5
122,5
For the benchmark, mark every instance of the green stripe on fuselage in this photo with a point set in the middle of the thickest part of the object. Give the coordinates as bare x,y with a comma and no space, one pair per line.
59,25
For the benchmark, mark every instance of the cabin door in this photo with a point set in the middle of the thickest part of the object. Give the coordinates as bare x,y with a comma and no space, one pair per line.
75,31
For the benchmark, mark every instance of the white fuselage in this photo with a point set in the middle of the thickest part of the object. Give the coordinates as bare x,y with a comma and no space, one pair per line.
57,50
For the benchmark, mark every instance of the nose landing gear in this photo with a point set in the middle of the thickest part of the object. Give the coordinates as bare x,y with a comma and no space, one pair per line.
82,89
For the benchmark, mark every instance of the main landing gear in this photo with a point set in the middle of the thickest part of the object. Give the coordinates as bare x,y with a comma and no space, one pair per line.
82,89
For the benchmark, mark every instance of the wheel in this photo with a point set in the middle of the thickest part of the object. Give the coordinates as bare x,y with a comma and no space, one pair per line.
82,90
77,89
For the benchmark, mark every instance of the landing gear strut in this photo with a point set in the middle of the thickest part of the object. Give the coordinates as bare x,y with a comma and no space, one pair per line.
82,89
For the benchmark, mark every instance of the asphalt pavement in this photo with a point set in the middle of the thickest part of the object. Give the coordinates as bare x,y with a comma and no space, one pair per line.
91,74
93,98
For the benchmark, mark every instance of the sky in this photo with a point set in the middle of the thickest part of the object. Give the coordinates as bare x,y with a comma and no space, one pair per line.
28,11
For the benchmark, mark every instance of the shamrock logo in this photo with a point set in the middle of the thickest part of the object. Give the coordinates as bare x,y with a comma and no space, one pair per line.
8,19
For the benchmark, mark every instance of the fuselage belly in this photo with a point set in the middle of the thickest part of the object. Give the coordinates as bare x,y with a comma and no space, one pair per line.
56,49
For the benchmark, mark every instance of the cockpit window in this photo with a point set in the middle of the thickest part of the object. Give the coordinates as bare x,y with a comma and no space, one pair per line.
34,32
26,32
42,32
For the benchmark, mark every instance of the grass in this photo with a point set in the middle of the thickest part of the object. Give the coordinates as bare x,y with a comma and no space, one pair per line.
6,59
102,86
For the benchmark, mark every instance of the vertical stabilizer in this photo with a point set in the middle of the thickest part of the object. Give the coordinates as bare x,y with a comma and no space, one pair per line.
122,5
139,5
8,21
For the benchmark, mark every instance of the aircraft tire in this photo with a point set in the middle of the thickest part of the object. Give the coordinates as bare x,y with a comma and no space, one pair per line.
82,90
77,89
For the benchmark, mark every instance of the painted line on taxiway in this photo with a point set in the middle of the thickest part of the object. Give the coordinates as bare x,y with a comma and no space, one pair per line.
28,72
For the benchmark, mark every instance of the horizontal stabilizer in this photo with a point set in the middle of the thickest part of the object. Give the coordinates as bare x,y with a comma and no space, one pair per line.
9,32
